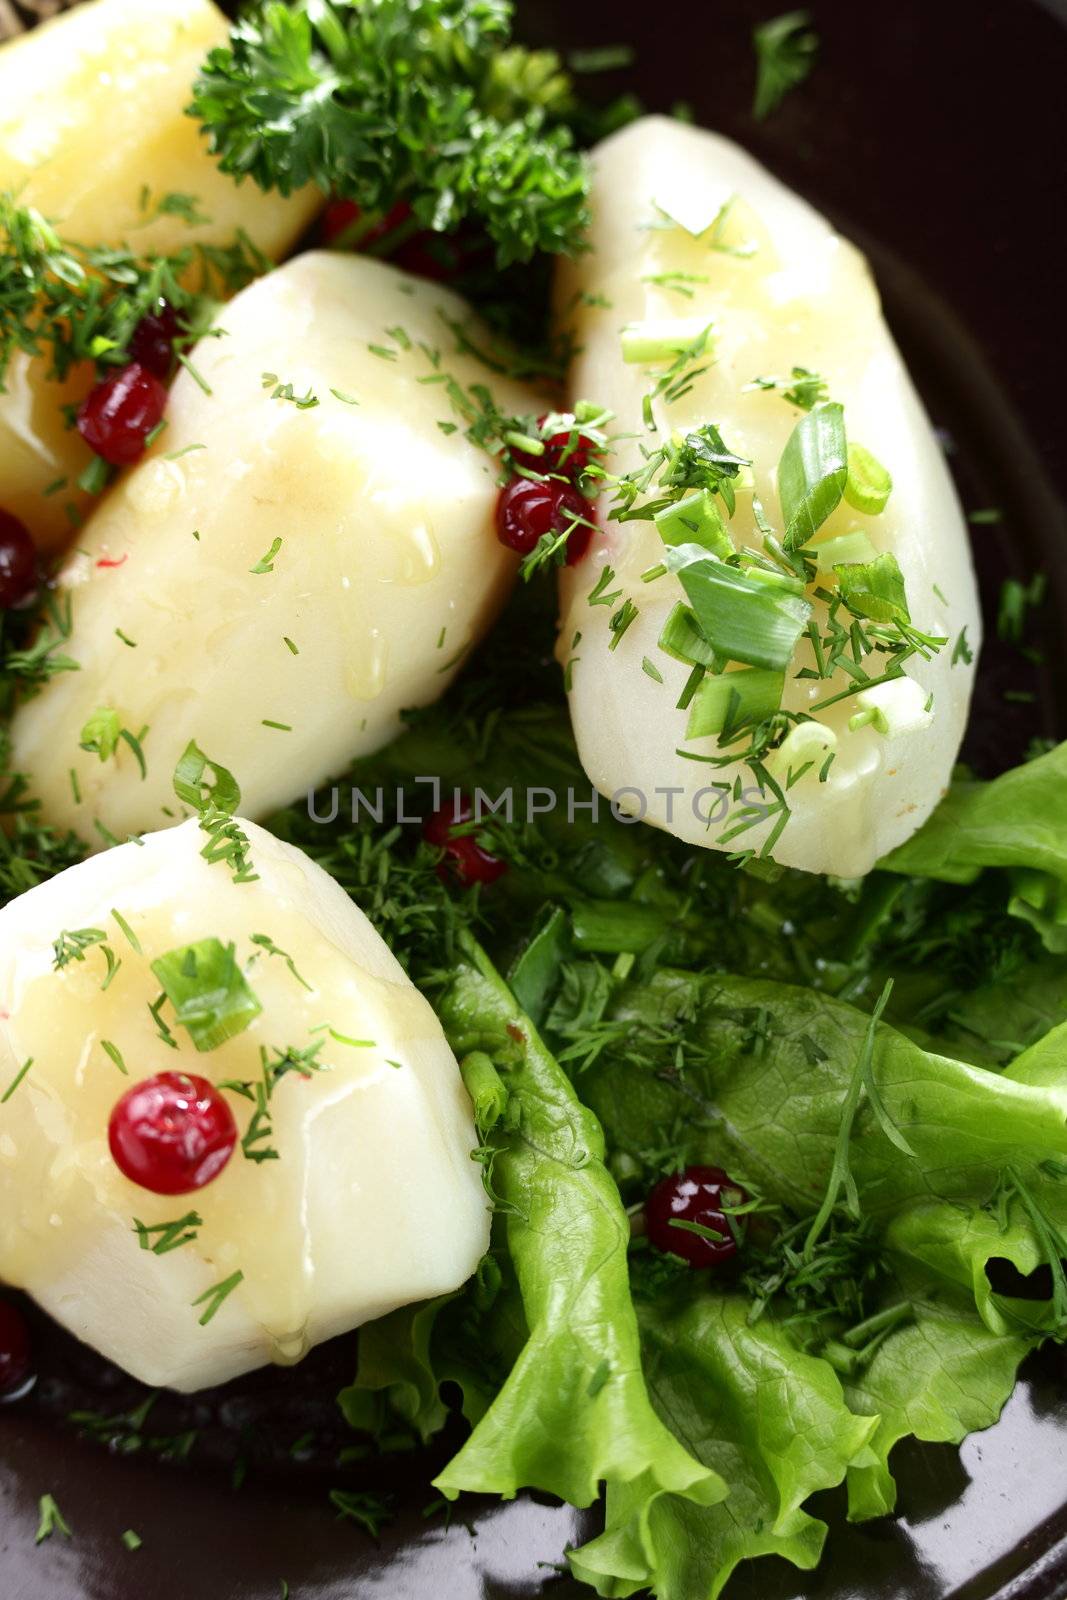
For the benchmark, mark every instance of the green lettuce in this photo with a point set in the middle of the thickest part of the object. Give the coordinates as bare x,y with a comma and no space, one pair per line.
1015,822
771,1420
758,1087
572,1410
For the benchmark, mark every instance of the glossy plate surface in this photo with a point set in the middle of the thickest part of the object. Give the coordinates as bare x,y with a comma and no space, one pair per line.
933,133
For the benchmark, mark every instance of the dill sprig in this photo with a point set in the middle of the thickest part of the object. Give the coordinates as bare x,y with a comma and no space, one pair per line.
68,302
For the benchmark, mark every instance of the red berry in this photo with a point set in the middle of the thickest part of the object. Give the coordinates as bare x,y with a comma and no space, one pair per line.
470,863
397,238
16,1362
696,1195
18,562
152,344
338,216
527,510
172,1133
119,413
559,455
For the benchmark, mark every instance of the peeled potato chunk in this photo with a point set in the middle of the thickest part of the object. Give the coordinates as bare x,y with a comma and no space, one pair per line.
370,1200
689,231
290,575
93,133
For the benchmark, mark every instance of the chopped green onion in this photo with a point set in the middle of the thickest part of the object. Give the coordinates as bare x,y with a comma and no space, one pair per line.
682,639
730,700
812,472
208,991
742,619
846,550
695,520
95,478
51,1520
663,340
804,744
486,1088
774,577
868,485
101,733
874,589
897,707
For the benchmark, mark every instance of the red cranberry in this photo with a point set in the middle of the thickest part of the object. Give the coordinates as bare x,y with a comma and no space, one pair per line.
468,861
342,217
696,1195
397,237
527,510
16,1362
119,413
172,1133
18,562
558,454
152,344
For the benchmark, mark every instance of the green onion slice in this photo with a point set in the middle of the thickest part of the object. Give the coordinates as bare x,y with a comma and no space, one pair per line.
812,472
696,519
868,485
874,589
742,618
730,700
208,990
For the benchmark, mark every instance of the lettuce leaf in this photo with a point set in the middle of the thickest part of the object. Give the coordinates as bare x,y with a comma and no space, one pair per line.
939,1377
1015,822
760,1075
572,1410
771,1420
765,1073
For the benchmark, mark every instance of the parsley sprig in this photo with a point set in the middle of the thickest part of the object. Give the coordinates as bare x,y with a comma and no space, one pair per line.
384,101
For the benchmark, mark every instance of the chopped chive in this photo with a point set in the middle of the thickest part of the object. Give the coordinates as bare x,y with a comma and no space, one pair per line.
283,727
131,937
215,1296
16,1080
169,1235
266,563
197,377
115,1054
131,643
289,645
96,477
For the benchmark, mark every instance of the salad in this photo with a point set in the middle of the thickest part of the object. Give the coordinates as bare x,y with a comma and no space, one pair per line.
487,631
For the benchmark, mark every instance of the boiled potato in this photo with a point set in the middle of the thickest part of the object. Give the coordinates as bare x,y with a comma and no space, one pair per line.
93,133
279,579
689,231
371,1199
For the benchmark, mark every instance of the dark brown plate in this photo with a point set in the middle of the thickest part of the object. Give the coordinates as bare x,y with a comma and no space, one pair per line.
932,131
